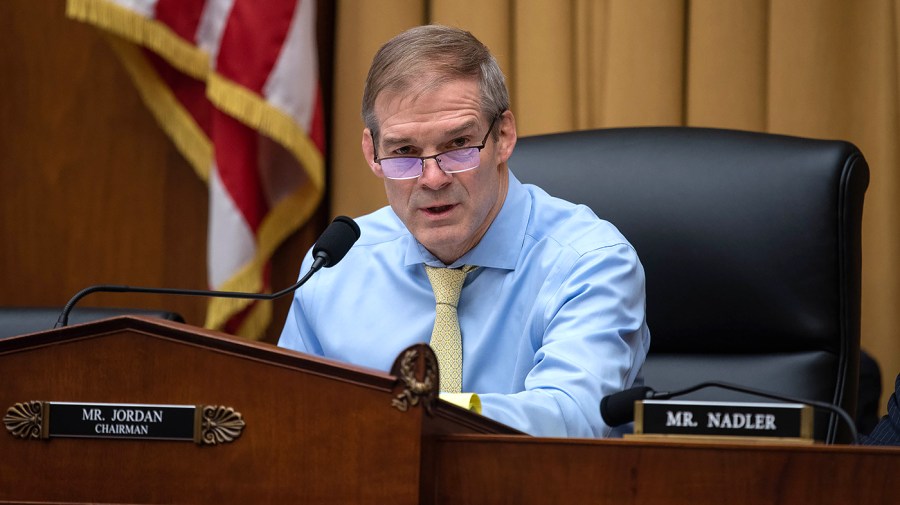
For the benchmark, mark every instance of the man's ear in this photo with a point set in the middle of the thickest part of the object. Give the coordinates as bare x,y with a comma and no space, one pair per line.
368,149
507,139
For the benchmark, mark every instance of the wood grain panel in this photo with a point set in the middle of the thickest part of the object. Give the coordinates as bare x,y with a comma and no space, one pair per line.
309,423
512,470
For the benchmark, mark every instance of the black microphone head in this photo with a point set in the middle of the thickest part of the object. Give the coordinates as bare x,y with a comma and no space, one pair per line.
336,240
618,408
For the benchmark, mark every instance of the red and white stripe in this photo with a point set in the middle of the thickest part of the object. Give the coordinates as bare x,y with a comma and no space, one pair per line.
266,48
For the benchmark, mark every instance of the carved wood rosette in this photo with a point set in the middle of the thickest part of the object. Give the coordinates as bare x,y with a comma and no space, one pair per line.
416,369
25,420
219,425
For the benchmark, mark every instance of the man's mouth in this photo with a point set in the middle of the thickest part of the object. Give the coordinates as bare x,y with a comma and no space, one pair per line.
438,209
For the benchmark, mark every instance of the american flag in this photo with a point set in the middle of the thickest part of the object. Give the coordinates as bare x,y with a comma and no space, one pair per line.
235,84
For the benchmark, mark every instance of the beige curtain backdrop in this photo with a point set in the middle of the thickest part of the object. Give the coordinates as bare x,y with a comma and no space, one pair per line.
815,68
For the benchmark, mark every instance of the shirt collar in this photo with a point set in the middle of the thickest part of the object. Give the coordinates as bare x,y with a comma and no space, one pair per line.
501,244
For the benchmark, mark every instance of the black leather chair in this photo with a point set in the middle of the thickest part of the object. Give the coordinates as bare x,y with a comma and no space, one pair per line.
751,247
22,320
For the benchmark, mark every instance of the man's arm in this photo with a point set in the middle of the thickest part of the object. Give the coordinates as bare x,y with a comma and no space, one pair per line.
594,343
887,431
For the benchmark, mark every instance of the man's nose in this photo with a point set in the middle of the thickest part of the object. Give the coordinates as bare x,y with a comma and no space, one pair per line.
432,176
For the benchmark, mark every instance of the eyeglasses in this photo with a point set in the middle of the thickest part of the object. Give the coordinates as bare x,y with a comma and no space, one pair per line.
452,161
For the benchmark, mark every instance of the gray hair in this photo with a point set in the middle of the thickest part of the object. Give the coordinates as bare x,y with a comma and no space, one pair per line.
425,57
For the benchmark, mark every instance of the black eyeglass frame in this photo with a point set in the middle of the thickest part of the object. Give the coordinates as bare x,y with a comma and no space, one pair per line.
435,157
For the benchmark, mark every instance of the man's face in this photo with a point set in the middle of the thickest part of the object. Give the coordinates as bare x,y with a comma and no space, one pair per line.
447,213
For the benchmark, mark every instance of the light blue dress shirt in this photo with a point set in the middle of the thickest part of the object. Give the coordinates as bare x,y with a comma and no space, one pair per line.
552,321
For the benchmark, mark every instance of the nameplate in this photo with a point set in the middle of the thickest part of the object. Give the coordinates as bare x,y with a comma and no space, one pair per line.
732,419
202,424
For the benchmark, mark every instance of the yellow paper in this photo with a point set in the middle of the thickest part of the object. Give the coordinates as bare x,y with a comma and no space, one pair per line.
468,401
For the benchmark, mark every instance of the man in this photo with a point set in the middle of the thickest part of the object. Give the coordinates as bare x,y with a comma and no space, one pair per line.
551,312
887,431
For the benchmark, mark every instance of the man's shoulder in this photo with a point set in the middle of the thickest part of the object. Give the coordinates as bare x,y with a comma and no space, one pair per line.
569,224
382,236
380,227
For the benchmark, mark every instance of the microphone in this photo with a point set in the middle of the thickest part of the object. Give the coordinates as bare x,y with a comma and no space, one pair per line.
618,408
335,242
328,250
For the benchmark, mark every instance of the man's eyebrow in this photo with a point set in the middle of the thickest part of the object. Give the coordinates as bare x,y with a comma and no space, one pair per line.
388,140
468,125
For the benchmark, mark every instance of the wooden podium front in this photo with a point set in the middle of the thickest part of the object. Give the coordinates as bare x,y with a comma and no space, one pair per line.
317,431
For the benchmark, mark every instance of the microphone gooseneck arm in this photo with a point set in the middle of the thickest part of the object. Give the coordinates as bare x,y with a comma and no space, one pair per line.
618,408
664,395
118,288
329,249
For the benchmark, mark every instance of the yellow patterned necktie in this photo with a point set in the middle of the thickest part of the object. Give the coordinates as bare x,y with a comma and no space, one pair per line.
446,338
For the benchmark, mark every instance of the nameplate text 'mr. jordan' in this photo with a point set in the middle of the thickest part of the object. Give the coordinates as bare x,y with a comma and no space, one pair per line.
203,424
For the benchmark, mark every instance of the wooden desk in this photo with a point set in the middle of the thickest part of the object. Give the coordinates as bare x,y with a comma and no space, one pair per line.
490,469
318,431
